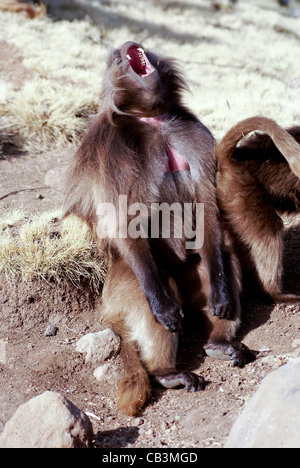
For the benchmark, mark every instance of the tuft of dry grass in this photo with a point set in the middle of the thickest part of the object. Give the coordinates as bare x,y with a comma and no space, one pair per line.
47,115
239,62
64,64
41,246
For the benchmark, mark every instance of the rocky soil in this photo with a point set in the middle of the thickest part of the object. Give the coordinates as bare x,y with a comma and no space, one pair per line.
33,361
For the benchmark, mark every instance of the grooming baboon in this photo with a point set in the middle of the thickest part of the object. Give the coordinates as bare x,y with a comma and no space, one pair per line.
258,181
147,146
17,7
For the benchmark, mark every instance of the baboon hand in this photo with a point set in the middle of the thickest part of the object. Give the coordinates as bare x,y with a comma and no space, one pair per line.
222,306
238,353
192,382
168,314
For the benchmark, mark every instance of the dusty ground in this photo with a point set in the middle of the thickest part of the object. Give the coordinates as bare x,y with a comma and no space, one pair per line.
34,363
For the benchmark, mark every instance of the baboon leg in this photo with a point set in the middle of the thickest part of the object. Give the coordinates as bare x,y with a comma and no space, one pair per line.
258,230
148,349
222,342
220,333
134,390
266,251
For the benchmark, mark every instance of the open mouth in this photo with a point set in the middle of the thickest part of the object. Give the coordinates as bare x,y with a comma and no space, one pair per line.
139,61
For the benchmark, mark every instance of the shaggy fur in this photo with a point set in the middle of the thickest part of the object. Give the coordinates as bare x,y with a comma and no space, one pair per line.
146,145
259,181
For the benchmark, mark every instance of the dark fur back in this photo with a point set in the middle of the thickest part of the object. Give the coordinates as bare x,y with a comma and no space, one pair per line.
284,147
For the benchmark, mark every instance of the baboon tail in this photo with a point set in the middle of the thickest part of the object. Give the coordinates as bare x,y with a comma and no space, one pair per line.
285,143
133,393
135,389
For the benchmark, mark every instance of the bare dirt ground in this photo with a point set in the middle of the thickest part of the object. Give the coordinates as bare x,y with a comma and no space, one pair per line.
34,362
174,418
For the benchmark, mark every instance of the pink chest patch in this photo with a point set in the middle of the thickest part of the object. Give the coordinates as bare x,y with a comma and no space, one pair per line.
175,162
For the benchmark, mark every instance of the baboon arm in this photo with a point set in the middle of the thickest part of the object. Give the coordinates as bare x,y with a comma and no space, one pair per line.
137,254
222,303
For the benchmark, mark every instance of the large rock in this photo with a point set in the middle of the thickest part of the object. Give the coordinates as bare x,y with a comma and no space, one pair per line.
99,346
47,421
272,417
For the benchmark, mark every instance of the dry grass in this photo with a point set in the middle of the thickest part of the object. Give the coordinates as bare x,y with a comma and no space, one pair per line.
50,108
238,64
43,247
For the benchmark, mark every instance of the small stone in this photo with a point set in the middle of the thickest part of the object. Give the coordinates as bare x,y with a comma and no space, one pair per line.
163,426
51,330
99,346
101,371
137,421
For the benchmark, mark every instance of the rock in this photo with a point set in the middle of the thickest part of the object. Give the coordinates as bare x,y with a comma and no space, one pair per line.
51,330
272,417
101,371
47,421
106,372
99,346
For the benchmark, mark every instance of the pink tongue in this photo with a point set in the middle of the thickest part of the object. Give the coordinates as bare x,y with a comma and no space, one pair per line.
135,62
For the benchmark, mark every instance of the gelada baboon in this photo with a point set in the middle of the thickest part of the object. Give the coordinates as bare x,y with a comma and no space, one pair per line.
258,181
146,147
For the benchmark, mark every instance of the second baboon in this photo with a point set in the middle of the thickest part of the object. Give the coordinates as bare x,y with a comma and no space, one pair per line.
259,181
